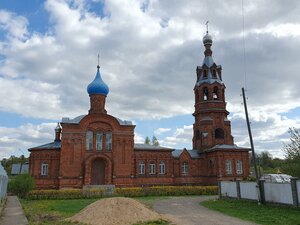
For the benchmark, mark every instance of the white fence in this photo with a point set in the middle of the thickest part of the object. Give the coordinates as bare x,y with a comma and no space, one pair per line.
284,193
3,182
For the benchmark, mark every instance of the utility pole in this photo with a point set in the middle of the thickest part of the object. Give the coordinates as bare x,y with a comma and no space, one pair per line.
260,194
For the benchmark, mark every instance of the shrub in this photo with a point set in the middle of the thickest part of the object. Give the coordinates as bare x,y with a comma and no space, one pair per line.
166,191
65,194
21,185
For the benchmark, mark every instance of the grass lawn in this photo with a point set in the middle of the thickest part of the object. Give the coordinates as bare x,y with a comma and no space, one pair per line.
44,212
251,211
53,212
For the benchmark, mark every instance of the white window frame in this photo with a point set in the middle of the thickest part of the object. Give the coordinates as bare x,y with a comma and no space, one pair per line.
239,167
185,168
152,168
89,140
108,140
142,168
99,140
162,167
228,167
44,169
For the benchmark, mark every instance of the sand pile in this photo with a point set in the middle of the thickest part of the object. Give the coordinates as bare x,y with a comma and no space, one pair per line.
112,211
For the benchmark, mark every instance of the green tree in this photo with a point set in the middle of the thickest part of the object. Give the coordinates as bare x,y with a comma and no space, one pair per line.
21,185
147,140
292,153
155,141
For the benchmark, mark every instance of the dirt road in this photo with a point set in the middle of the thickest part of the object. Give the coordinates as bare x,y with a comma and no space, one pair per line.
188,211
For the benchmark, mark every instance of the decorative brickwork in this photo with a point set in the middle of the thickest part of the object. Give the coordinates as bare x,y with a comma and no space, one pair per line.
99,149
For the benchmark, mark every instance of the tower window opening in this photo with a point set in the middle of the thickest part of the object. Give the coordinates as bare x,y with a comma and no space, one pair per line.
205,74
196,96
214,75
205,94
215,93
197,134
219,133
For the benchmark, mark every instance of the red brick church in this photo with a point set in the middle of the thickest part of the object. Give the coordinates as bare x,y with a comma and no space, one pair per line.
99,149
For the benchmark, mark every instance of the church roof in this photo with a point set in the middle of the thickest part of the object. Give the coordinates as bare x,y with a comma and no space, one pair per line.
228,147
77,120
97,86
193,153
208,63
148,147
52,145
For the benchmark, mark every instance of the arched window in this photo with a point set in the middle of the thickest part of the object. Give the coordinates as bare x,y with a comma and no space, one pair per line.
219,133
197,134
162,167
239,167
214,75
99,140
152,168
89,140
185,168
196,96
215,93
228,167
108,140
205,93
205,74
142,167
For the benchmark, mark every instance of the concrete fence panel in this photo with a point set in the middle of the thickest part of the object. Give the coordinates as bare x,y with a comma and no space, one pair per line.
279,193
249,190
228,189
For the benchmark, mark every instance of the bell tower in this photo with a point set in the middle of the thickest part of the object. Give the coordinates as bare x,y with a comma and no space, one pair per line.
211,126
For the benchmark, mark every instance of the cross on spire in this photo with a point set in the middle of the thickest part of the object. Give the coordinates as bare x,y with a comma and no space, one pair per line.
206,26
98,60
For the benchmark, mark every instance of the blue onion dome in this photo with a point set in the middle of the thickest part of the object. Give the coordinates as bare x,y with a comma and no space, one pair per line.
97,86
207,39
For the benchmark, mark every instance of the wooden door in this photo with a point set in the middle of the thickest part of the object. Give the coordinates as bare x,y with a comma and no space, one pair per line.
98,172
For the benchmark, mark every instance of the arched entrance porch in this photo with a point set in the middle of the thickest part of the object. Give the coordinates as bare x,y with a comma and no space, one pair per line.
98,170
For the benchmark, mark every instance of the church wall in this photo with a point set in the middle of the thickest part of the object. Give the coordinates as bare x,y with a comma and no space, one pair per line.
50,157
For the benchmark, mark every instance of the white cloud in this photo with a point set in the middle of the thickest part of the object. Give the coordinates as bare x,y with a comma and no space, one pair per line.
15,26
161,130
16,141
181,138
148,59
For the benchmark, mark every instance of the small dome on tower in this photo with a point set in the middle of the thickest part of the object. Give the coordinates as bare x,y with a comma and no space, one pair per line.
97,86
207,39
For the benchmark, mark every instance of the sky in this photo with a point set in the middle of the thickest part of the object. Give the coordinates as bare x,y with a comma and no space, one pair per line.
149,51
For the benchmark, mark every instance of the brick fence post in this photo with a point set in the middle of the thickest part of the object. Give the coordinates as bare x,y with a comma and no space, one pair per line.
238,189
294,191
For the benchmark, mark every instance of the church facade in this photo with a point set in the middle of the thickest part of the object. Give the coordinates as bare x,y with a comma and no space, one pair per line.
99,149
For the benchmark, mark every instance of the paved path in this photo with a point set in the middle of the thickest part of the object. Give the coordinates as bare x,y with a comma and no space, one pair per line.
188,211
13,213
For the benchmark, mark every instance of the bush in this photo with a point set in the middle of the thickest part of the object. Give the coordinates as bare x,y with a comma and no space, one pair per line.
21,185
124,192
166,191
65,194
